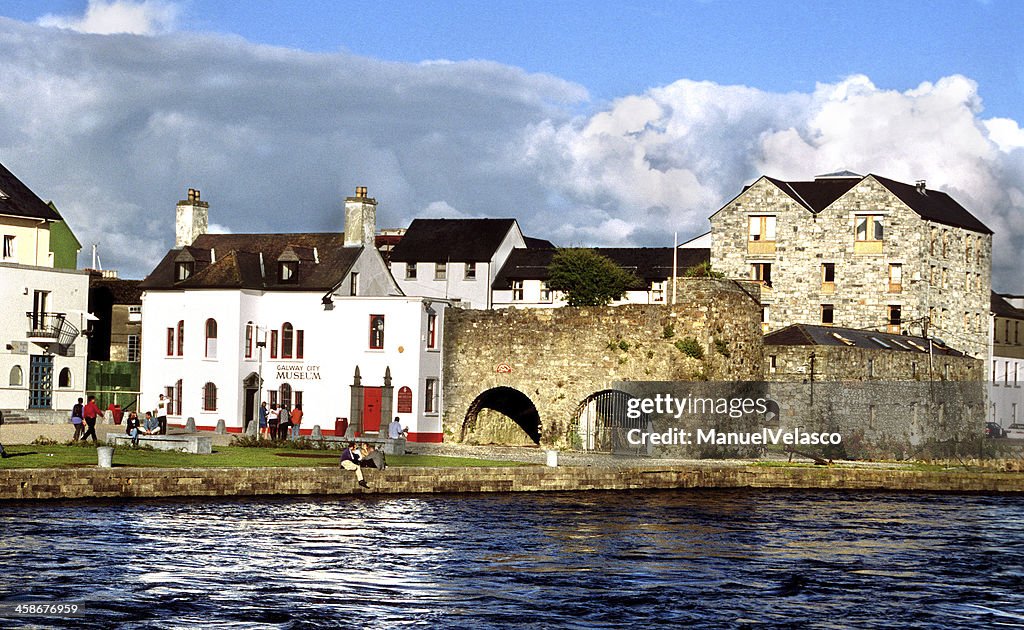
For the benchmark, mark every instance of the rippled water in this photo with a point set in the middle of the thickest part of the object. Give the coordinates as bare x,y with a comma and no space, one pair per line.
712,558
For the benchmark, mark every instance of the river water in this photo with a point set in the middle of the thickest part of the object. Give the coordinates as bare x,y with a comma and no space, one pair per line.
742,558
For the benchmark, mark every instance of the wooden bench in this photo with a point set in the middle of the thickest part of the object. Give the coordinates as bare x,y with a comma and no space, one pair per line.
197,444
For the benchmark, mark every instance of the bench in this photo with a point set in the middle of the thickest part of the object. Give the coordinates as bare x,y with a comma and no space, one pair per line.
197,444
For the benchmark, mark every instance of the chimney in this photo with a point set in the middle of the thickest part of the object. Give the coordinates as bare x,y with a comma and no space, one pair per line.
920,185
191,220
360,219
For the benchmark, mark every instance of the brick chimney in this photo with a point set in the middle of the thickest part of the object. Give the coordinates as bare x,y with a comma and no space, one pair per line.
360,219
191,220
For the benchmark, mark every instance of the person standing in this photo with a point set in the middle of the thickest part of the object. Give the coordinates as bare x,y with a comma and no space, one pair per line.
91,411
161,414
263,421
285,428
296,420
350,461
273,419
3,453
395,430
77,414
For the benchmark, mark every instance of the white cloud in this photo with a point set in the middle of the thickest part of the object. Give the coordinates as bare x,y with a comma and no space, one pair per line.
105,17
116,129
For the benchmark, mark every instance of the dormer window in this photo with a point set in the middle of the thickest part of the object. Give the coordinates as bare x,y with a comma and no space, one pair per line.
288,271
184,270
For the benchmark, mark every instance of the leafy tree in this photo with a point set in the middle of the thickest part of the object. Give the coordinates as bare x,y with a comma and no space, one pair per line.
587,278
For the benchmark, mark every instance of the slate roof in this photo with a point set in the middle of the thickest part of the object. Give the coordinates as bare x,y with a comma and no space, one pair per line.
121,291
232,261
1001,308
17,200
647,263
812,335
451,240
933,205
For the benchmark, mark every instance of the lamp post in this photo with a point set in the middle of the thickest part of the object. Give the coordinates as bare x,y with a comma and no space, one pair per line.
260,345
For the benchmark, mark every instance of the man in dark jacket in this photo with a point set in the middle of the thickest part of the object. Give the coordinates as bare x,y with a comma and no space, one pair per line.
350,461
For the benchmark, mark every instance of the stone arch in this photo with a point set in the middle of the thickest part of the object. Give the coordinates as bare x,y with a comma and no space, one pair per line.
508,402
602,420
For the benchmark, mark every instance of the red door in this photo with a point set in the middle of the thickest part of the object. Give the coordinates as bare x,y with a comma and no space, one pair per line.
371,409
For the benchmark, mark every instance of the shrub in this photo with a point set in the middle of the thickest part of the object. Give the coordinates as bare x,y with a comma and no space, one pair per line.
668,331
690,347
722,347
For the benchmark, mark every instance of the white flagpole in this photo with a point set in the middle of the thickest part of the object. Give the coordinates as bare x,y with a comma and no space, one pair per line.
675,263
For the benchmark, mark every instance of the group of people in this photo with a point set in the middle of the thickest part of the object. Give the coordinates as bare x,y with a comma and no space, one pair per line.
278,423
83,417
368,455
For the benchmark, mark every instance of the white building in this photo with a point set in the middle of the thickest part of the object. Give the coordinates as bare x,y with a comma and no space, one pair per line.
456,259
522,279
42,356
316,318
1006,349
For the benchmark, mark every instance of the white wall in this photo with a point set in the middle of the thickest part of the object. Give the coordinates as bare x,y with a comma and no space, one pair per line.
69,294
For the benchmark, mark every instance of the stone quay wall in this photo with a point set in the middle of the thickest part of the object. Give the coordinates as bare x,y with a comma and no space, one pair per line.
559,357
151,483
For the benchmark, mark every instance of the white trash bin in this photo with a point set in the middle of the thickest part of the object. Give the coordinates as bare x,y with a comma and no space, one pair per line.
106,456
552,459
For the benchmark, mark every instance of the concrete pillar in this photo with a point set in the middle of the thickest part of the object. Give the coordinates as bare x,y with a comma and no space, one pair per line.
221,428
190,425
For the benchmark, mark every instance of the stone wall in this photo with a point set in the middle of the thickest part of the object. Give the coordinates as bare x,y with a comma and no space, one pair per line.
97,483
557,358
946,271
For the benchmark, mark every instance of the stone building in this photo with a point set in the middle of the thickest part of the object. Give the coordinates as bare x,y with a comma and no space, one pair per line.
521,281
1006,373
888,395
861,252
232,320
115,339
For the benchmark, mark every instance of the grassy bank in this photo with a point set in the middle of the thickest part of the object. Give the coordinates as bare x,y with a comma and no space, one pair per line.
63,456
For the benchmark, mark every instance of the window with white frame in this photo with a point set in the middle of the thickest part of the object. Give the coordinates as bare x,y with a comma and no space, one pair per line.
211,338
133,349
430,396
376,332
545,293
762,228
431,330
209,397
470,273
869,227
657,291
440,271
9,251
410,271
517,290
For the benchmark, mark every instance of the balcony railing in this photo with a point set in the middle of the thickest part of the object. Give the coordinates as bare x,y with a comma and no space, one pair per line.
44,325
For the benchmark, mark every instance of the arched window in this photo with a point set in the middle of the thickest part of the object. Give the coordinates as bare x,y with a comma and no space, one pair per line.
209,397
16,376
211,338
181,338
248,340
287,338
286,395
64,378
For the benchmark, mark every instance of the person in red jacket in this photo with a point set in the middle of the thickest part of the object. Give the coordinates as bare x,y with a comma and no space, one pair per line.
91,411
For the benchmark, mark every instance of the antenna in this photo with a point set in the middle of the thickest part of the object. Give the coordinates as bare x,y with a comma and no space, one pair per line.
97,264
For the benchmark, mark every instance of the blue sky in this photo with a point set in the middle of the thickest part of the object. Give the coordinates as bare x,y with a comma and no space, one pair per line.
593,123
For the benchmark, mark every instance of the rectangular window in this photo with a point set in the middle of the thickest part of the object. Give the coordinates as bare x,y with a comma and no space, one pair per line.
183,270
133,348
169,395
772,363
470,273
273,344
354,290
895,278
288,270
432,330
762,272
181,338
871,368
828,273
895,318
430,396
517,290
410,271
827,314
1006,372
9,251
657,291
376,332
545,293
762,228
297,397
870,228
766,313
170,342
300,344
248,341
272,397
440,271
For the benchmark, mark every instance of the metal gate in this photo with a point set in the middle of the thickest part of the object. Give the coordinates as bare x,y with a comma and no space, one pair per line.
40,382
602,423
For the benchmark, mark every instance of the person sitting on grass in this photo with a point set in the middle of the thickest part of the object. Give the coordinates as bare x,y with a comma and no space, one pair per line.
132,428
350,461
371,457
151,424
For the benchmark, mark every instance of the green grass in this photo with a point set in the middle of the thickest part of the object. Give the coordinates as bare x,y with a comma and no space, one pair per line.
61,456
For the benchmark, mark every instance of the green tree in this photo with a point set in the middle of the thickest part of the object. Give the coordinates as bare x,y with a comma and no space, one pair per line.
587,278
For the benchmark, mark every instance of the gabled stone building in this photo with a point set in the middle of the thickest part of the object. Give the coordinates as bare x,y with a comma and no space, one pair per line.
861,252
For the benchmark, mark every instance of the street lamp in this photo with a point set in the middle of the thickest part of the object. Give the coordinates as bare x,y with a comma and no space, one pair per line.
260,345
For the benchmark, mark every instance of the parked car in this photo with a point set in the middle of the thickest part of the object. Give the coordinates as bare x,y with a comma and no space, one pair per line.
1015,431
993,430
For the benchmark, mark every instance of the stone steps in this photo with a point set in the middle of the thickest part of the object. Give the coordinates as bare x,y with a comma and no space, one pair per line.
14,417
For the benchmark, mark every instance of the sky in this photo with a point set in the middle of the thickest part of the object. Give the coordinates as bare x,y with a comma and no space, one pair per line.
592,123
